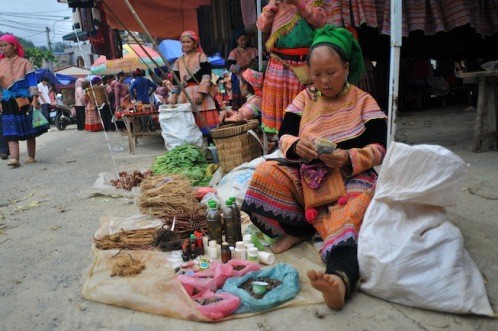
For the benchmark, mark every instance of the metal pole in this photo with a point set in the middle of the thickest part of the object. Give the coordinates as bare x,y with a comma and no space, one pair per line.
396,41
176,79
260,38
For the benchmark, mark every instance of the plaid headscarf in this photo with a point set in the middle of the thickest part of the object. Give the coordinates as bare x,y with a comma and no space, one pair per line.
12,40
345,40
192,35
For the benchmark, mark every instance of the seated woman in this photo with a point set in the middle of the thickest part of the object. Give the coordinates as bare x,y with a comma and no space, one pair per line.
343,114
251,82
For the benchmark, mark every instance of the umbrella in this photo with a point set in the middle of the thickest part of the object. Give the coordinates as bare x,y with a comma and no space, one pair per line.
133,57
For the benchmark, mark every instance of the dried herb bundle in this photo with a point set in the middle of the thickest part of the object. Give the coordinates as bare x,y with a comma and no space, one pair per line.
125,265
127,239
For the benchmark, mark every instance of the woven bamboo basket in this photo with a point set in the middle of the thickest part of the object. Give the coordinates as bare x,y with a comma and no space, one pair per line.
235,145
97,95
68,96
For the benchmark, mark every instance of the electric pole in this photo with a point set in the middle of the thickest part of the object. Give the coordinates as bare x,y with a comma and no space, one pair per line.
47,30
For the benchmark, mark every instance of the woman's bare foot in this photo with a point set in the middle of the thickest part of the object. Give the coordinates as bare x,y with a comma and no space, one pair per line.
332,287
285,242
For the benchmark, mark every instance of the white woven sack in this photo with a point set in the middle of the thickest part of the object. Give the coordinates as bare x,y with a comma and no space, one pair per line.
178,126
408,251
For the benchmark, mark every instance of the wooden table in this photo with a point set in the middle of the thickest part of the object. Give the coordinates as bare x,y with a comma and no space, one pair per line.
486,123
134,126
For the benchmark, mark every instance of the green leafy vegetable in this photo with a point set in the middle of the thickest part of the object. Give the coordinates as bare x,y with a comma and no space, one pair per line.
186,160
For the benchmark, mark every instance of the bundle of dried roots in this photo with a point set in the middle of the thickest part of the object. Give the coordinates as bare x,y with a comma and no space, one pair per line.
128,239
124,264
168,240
128,181
163,195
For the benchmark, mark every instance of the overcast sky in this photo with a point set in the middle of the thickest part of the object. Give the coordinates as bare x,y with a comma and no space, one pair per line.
28,19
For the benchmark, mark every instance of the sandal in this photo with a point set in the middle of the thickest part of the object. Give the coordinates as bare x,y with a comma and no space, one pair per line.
30,160
14,163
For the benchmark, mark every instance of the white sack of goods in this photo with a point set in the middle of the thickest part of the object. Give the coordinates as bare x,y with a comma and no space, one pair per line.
408,251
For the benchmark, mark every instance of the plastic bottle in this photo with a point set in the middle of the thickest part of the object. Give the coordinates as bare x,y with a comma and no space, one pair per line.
213,222
252,254
237,213
214,153
226,254
199,244
240,251
185,254
230,222
193,250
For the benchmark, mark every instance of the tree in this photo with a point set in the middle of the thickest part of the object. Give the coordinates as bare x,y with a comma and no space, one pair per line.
37,56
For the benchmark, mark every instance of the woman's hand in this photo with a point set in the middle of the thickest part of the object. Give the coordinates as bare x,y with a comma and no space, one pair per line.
173,99
337,159
306,149
225,114
198,98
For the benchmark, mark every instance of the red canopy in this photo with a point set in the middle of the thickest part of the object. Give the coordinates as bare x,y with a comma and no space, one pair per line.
162,18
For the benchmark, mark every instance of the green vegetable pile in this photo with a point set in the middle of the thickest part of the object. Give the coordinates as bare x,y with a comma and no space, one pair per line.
186,160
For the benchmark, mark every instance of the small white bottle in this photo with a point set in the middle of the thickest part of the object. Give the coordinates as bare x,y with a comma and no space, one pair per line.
252,254
240,251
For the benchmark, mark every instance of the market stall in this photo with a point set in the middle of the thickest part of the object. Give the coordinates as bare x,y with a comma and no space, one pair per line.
140,121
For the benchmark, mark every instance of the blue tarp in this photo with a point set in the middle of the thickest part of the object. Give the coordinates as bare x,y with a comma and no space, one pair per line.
64,80
172,50
40,73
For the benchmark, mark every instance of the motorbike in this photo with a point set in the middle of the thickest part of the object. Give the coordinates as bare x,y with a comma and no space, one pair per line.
63,117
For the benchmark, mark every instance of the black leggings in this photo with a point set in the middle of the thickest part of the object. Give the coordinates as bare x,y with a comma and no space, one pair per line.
343,262
80,117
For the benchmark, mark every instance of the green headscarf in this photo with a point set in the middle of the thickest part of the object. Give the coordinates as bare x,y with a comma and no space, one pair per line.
343,39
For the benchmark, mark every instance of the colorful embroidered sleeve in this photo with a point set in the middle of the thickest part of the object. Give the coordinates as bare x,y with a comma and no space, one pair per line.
251,109
297,105
297,108
265,20
313,13
364,158
233,56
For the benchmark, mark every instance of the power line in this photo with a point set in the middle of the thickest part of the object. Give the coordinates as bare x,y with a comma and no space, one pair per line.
33,17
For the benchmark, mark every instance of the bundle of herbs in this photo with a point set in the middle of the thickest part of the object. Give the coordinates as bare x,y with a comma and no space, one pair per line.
187,160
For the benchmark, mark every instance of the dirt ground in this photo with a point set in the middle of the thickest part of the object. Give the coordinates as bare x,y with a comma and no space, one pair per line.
46,230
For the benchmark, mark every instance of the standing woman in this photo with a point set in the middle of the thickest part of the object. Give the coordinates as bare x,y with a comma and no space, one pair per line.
239,59
194,71
93,121
80,103
18,84
291,23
